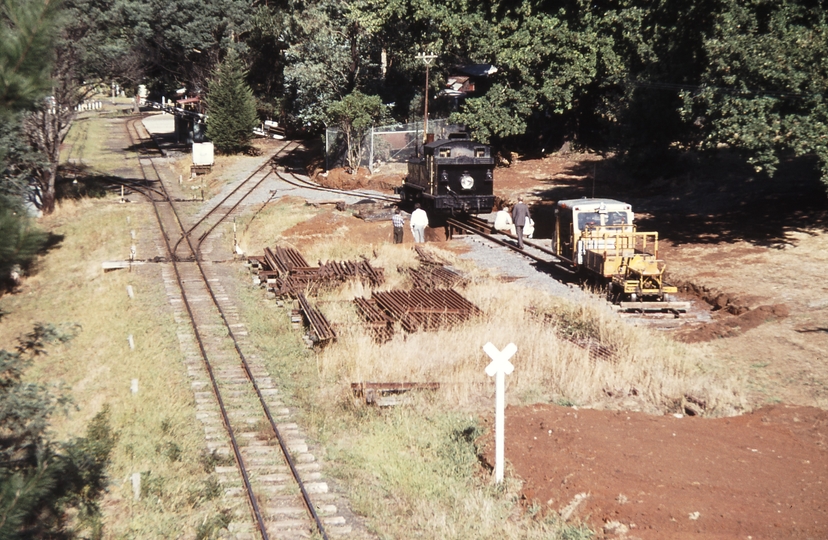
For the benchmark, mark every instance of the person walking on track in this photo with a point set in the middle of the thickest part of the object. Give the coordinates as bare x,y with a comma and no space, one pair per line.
520,216
418,221
399,222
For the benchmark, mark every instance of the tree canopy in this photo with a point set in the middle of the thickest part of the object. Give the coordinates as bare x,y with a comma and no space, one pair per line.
644,80
354,115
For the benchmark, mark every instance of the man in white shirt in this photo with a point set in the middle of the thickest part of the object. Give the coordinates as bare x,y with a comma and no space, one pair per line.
503,221
418,222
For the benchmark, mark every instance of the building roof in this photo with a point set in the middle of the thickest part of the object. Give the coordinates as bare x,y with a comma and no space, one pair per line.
478,70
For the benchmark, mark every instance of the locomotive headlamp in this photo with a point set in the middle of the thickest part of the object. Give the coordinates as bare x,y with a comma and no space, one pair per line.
489,176
466,181
444,177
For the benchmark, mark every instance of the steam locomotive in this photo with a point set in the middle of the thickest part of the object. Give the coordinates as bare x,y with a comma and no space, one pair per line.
453,176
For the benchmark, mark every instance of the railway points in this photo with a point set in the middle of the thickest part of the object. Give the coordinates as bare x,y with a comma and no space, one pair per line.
279,491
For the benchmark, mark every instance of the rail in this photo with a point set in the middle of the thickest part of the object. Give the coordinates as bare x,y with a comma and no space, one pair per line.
171,250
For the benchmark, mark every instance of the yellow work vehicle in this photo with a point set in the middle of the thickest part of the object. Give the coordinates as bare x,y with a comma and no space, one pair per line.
598,237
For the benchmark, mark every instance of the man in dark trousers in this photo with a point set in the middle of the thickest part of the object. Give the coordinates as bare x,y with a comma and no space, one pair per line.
520,214
399,223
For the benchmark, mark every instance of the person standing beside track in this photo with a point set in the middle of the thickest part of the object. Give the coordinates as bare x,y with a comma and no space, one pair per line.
520,215
418,221
399,222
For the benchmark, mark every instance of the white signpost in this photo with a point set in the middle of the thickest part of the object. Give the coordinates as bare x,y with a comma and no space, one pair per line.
499,367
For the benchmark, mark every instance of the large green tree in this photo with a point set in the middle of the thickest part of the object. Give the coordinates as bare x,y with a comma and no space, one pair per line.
354,115
763,91
231,108
27,30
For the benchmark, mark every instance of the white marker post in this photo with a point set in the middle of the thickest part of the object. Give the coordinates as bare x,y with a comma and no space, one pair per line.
500,366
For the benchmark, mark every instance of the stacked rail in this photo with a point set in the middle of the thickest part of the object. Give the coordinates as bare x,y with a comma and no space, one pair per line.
286,272
418,309
435,277
380,324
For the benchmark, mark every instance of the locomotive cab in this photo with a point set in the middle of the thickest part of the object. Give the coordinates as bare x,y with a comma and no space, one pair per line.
453,175
583,224
598,237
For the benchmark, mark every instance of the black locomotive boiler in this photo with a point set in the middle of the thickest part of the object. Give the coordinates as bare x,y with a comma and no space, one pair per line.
453,176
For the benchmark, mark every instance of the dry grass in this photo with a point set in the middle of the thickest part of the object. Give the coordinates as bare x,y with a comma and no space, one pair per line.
412,471
261,230
642,370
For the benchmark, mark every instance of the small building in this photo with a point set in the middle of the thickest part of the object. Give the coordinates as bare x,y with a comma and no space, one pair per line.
468,81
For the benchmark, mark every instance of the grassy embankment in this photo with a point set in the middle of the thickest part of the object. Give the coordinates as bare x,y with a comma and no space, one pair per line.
158,435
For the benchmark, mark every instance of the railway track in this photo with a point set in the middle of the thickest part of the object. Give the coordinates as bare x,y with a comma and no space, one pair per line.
275,486
290,177
481,227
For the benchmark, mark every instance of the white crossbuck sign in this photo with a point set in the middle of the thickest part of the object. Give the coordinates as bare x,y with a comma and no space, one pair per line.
499,368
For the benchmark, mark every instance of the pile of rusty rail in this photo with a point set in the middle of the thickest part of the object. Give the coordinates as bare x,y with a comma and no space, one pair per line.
388,393
430,277
434,272
415,310
428,258
286,272
378,321
320,329
334,271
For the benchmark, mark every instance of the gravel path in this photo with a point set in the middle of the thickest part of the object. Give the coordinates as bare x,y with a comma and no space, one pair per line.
509,263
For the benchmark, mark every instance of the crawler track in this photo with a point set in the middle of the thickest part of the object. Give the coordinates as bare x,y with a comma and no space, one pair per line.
274,479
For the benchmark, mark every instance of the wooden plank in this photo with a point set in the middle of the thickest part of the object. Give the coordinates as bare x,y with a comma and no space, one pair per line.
655,306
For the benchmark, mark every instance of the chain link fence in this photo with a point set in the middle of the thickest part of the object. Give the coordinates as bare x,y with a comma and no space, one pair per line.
395,143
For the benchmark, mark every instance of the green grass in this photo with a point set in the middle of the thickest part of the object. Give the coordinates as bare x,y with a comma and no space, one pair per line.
164,443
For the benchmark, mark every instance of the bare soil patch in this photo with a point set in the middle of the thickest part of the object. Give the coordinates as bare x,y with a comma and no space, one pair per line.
760,475
361,179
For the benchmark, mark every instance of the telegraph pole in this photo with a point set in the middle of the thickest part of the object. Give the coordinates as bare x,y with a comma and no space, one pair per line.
427,59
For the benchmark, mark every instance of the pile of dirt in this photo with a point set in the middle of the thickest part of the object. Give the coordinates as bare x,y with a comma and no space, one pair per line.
730,325
360,179
633,475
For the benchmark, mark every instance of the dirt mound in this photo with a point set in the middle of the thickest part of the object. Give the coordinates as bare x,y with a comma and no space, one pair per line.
730,325
632,475
361,179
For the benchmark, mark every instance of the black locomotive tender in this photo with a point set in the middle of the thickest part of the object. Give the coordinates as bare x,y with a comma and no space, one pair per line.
453,176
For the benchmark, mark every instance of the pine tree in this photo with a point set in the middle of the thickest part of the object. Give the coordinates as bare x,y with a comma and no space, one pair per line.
48,489
26,39
231,108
